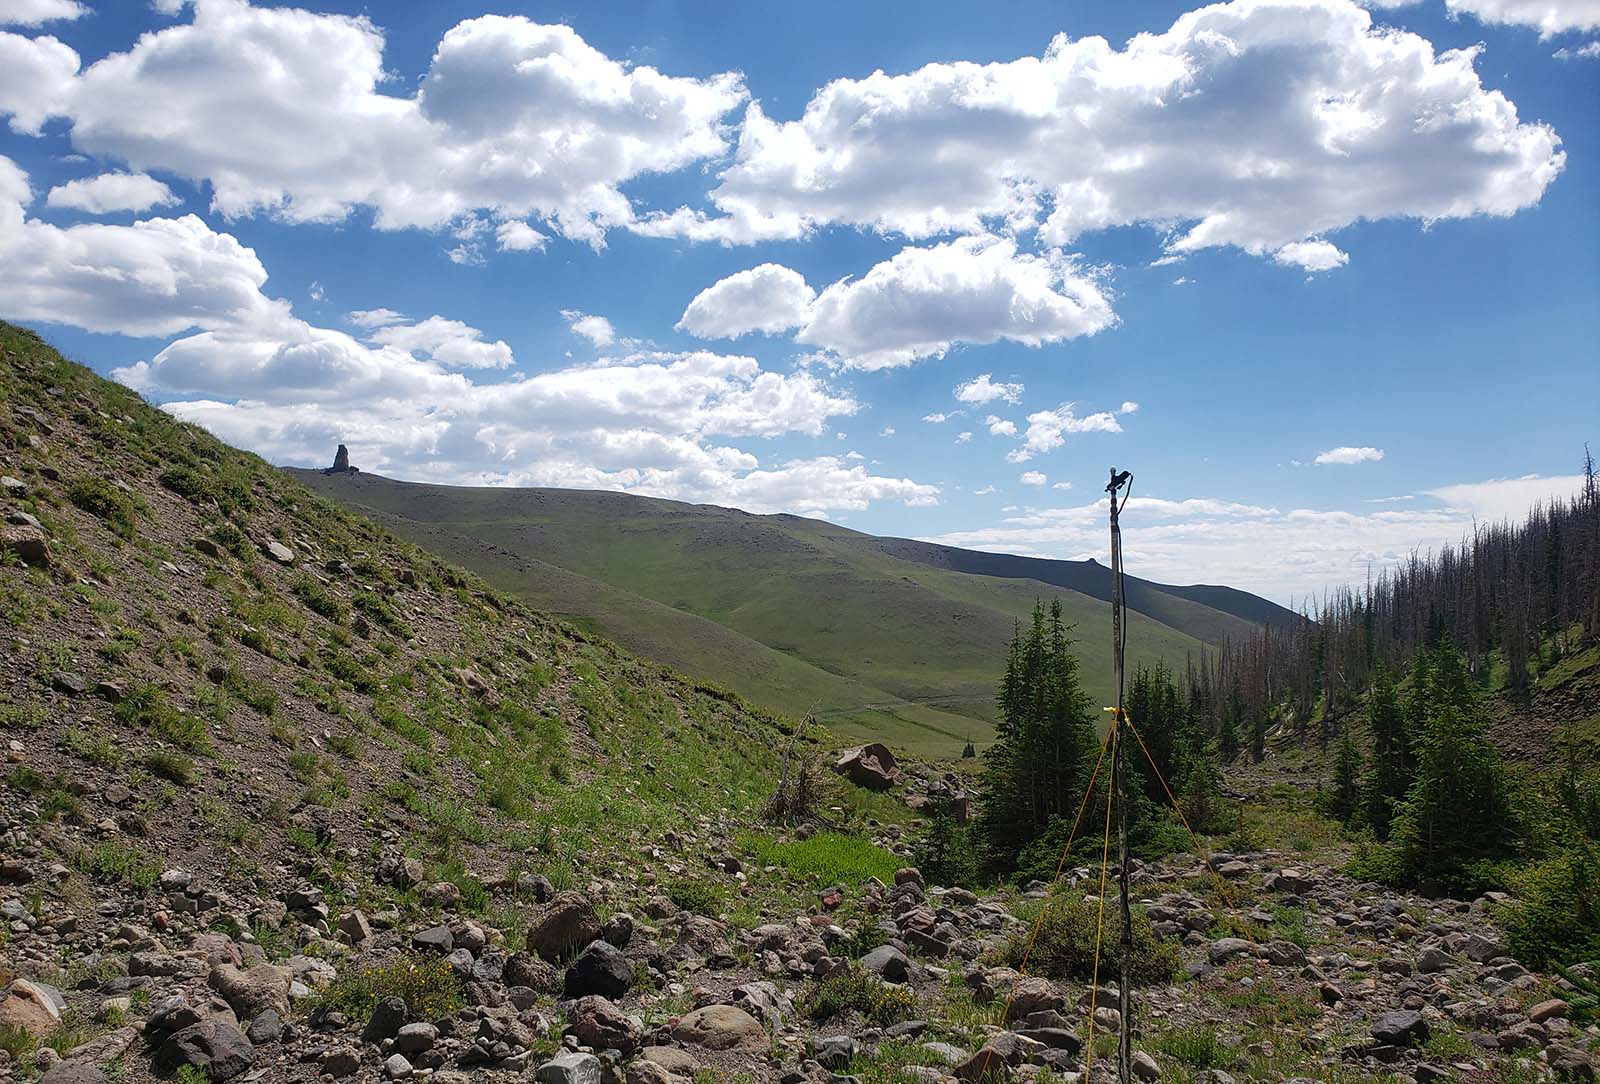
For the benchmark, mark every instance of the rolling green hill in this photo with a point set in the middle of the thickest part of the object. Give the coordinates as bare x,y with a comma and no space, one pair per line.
886,638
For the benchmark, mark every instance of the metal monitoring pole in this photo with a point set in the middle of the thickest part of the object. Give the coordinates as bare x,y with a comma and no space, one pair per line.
1120,776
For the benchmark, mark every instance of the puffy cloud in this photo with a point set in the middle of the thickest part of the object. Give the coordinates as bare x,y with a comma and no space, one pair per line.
936,419
983,389
1546,16
922,301
1000,427
512,117
1311,256
964,437
1048,429
36,78
597,329
161,276
1346,454
1176,130
38,12
450,343
1032,478
518,236
1283,554
769,298
111,192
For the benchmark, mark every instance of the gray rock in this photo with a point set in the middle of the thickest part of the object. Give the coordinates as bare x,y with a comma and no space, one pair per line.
1403,1027
1226,948
888,963
74,1072
1145,1067
265,1028
416,1038
596,1022
600,969
218,1049
564,925
571,1068
834,1051
434,939
388,1017
1433,959
340,1061
396,1067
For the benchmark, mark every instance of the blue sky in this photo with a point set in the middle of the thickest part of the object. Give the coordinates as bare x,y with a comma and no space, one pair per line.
708,254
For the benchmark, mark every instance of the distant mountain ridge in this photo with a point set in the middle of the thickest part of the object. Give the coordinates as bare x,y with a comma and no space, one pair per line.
884,637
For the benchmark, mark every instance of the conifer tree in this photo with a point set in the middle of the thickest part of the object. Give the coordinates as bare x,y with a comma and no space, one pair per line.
1459,808
1346,801
1039,763
1391,774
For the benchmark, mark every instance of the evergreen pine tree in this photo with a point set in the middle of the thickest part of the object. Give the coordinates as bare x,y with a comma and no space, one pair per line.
1345,803
1391,773
1459,808
1038,765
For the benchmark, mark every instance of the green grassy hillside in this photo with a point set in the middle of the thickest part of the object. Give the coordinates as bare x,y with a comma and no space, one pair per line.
880,638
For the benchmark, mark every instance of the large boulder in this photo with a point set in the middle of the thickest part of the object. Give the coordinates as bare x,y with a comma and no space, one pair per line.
871,766
600,969
218,1049
721,1027
598,1023
562,926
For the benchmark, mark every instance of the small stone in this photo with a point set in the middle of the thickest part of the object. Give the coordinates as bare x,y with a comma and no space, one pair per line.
1145,1067
416,1038
570,1068
1404,1027
396,1067
277,551
340,1061
1548,1010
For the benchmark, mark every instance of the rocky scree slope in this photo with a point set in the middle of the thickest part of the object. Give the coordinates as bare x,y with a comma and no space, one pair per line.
286,799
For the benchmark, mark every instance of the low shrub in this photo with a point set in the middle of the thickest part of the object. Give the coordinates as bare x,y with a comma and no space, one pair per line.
1065,945
427,985
100,498
701,897
171,765
1555,917
877,1001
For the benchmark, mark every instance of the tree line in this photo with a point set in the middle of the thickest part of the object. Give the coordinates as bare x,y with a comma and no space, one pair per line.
1525,593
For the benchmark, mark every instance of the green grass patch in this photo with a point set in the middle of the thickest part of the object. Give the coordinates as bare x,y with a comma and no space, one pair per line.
829,857
879,1002
427,985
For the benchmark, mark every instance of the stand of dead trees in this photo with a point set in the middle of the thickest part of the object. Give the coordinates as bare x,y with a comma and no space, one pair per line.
1529,592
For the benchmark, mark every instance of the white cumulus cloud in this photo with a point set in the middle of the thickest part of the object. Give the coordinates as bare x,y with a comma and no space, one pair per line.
922,301
1311,255
1032,478
1546,16
983,389
512,118
39,12
111,192
1174,130
769,298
